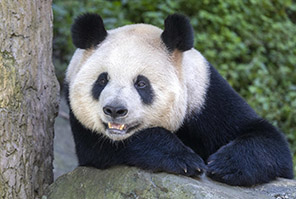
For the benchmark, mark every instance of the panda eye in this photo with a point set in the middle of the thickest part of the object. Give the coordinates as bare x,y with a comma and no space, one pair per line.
103,79
99,85
141,84
144,88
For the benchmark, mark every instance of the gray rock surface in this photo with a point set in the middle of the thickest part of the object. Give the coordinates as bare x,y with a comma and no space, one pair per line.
129,182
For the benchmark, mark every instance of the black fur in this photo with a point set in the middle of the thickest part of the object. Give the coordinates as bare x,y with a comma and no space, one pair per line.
99,85
240,147
88,31
143,150
221,120
178,33
146,92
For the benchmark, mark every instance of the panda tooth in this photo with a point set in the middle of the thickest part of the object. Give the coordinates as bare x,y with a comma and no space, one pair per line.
121,127
116,126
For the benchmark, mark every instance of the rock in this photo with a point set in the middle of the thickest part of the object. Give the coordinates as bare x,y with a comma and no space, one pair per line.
130,182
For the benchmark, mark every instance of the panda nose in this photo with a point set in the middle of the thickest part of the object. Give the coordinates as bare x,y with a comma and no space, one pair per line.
115,112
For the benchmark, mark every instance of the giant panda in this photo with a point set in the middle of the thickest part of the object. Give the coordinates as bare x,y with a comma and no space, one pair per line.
144,97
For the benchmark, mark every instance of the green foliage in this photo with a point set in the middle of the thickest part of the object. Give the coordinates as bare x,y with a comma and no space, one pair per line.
251,42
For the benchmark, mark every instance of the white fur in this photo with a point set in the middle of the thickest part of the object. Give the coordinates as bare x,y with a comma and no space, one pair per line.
197,79
127,52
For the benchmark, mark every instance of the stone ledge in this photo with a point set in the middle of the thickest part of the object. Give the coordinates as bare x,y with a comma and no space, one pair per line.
130,182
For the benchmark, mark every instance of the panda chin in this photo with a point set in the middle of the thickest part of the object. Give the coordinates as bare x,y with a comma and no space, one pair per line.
119,131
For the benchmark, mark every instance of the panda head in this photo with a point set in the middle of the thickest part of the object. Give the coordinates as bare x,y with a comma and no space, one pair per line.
130,78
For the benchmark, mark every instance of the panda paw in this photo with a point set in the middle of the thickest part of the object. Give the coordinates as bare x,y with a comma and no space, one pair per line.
185,163
230,167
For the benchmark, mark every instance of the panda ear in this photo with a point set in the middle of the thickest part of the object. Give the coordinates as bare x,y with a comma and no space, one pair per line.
178,33
88,30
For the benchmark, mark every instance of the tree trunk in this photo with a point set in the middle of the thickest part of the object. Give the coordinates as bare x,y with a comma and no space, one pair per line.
28,98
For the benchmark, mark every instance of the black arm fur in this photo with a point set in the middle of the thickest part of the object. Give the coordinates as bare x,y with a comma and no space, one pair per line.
154,149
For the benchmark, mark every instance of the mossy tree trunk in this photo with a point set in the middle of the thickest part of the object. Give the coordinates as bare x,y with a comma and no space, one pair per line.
28,98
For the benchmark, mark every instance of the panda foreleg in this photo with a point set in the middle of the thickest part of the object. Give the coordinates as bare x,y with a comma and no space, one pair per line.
158,149
257,156
154,149
93,149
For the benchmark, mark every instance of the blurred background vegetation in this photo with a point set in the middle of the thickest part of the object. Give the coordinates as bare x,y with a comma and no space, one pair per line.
251,42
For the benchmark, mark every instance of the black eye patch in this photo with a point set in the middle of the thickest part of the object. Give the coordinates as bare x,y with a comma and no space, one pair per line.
144,89
99,85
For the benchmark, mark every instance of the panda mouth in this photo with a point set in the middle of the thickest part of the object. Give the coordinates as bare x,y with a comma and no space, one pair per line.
119,129
115,126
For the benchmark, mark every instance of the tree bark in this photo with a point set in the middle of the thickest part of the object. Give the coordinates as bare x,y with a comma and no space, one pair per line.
28,98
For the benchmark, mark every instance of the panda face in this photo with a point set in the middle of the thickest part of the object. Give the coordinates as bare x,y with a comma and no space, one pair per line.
127,83
121,103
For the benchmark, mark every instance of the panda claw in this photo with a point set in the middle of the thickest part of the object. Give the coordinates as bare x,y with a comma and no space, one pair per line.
185,170
209,162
